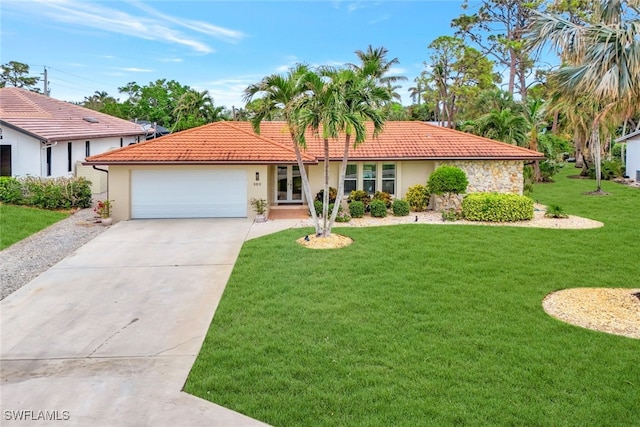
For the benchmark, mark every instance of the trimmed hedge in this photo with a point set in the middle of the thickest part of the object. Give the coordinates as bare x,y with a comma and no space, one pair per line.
447,179
497,207
46,193
400,207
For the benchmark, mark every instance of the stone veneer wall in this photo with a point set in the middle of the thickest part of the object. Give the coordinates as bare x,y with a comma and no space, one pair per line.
490,176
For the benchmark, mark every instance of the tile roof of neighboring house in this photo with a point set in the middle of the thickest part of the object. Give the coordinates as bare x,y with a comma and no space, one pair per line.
235,142
51,120
220,142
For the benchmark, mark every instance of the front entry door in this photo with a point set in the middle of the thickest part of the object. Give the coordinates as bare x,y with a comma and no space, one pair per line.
289,185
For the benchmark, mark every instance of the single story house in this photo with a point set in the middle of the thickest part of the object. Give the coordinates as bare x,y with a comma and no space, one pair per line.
632,158
214,170
44,137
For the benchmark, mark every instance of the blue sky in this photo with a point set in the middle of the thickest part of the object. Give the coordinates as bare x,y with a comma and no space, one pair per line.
220,46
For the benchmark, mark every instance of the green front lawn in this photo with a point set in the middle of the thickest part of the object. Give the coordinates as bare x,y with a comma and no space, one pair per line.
19,222
429,325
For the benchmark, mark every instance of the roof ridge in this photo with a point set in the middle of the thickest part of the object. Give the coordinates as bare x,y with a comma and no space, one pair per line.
26,94
271,141
493,141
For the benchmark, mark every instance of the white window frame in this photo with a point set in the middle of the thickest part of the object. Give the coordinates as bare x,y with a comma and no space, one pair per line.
378,181
394,180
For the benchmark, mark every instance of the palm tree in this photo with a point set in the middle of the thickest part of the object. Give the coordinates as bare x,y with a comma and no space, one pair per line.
534,114
194,109
503,125
279,95
338,103
601,61
374,64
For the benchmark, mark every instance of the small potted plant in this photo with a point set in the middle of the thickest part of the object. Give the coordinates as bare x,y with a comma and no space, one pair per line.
103,210
260,208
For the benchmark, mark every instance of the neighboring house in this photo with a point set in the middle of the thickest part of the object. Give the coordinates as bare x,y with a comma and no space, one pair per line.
152,130
45,137
632,158
214,170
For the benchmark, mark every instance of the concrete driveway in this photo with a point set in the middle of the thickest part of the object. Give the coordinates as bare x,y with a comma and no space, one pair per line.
108,335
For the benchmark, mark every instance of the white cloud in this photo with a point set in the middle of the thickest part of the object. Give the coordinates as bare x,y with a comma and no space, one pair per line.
380,19
136,70
153,26
171,60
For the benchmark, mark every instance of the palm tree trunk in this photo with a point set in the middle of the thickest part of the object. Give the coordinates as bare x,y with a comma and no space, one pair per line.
597,157
305,185
325,198
343,172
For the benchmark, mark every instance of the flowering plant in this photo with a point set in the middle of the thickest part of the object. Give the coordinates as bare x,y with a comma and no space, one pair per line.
103,208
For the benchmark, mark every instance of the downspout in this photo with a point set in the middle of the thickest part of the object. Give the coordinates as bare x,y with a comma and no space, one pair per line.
105,171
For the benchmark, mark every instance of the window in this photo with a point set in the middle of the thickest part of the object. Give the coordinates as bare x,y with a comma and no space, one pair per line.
121,142
369,178
389,178
87,148
351,179
69,156
48,161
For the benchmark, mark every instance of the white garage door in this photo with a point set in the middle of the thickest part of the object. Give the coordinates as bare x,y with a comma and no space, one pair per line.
188,193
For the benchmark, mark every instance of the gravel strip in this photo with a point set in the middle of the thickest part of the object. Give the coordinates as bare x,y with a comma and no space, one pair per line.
433,217
25,260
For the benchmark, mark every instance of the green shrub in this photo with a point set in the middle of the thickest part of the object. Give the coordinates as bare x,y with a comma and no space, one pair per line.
496,207
10,190
47,193
418,197
385,197
548,168
378,208
80,192
356,209
451,215
555,211
610,169
447,179
317,205
333,193
400,207
528,180
361,196
341,214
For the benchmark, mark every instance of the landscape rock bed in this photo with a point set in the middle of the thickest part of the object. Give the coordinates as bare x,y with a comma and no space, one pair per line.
615,311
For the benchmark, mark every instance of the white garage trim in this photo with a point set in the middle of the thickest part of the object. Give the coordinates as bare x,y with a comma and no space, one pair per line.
183,193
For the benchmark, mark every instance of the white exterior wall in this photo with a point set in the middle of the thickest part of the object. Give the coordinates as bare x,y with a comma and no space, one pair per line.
28,154
633,157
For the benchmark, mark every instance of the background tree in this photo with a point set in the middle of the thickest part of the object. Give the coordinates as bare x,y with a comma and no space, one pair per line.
16,74
601,62
195,108
457,73
498,28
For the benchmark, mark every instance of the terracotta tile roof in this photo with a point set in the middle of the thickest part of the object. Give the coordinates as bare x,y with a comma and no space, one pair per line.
51,120
235,142
220,142
410,140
